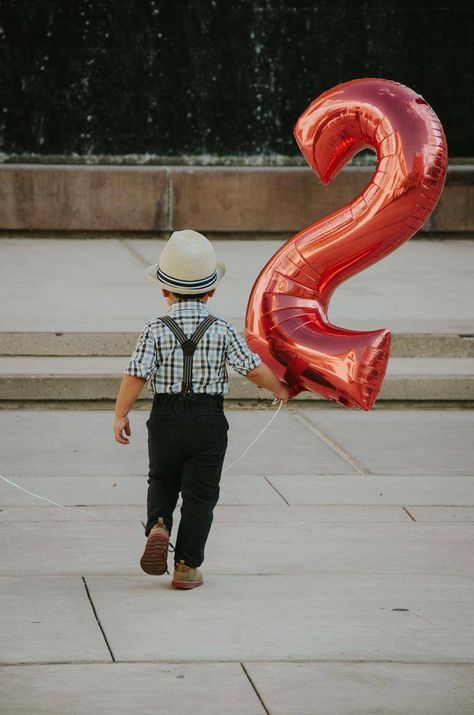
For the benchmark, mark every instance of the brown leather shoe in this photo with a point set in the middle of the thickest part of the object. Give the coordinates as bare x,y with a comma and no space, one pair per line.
155,557
186,577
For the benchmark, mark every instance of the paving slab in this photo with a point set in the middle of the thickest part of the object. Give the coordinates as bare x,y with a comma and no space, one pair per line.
247,489
377,295
347,618
308,454
84,445
245,546
80,276
47,548
375,489
441,514
48,619
400,292
264,514
363,688
235,489
374,298
72,443
330,514
368,548
87,491
411,442
128,689
41,512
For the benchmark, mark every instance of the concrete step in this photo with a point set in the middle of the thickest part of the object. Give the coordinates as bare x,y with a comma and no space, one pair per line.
98,378
84,344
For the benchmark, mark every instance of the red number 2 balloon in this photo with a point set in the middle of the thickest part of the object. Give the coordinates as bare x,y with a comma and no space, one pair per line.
286,319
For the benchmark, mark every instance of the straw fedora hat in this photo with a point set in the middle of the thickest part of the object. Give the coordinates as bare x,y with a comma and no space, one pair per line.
187,264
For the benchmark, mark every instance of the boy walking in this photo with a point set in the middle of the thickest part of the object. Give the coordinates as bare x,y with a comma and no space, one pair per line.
183,356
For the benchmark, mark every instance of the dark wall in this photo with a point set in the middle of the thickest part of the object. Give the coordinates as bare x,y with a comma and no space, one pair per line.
166,78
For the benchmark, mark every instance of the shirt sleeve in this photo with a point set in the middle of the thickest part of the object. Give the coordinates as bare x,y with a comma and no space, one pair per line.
238,353
143,362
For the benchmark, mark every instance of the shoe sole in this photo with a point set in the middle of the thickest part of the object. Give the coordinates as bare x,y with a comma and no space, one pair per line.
155,557
186,585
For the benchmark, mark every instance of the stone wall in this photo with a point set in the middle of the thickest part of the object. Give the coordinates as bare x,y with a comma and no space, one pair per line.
229,200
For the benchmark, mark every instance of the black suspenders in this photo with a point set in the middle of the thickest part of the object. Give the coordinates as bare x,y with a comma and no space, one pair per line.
188,346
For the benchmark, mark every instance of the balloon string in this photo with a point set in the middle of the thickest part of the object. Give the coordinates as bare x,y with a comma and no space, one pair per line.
257,437
85,511
38,496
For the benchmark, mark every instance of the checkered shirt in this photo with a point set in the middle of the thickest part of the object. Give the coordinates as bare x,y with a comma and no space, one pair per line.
158,356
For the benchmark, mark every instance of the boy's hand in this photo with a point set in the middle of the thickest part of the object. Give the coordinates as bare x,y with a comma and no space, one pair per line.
120,424
283,393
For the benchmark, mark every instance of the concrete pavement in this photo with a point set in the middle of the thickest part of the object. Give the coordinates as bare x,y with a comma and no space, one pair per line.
339,568
64,285
338,571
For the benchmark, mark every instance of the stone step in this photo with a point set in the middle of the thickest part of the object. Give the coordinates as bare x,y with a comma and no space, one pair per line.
98,378
84,344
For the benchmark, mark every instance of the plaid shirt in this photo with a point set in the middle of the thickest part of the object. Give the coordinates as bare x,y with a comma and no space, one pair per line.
158,356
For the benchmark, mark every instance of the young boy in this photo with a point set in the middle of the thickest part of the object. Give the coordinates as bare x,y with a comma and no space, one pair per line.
183,356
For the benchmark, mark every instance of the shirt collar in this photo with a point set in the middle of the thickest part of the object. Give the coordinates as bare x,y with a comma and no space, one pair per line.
188,306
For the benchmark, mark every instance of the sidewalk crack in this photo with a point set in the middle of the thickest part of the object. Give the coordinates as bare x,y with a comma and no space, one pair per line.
131,249
255,689
332,444
97,619
279,493
410,515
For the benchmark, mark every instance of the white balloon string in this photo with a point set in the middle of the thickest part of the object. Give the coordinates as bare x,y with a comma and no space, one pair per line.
257,437
85,511
38,496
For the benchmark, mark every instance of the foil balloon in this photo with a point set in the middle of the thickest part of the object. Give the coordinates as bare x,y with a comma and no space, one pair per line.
287,313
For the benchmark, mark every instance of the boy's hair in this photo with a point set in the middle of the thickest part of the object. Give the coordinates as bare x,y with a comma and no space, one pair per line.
189,296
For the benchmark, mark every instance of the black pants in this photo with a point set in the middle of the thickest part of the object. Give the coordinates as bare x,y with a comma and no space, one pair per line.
187,442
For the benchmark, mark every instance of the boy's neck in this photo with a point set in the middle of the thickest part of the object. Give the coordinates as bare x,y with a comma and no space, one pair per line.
172,301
